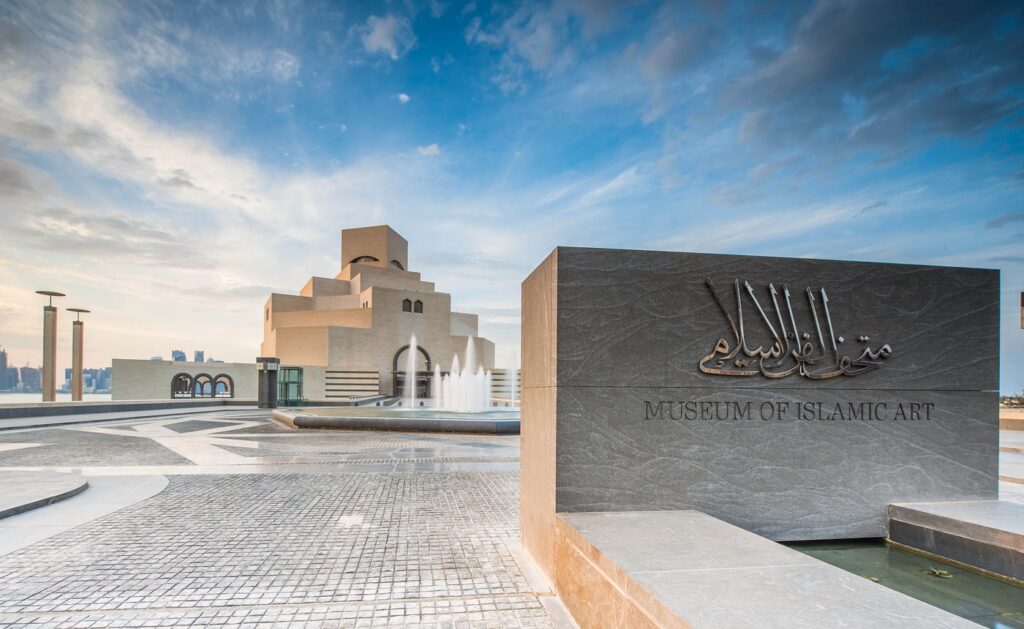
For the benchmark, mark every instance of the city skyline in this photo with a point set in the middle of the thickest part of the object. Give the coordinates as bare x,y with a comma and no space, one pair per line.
15,378
168,166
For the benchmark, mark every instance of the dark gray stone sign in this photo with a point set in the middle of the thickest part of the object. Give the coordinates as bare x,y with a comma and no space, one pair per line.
794,398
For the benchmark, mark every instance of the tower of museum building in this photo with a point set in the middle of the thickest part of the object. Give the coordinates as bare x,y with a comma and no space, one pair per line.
350,334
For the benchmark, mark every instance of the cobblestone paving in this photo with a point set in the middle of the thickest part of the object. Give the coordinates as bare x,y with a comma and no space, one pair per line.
324,548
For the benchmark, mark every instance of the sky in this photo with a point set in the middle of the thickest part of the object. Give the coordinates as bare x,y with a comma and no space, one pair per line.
168,165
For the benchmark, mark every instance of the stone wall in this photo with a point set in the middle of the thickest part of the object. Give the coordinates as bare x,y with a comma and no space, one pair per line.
634,398
151,379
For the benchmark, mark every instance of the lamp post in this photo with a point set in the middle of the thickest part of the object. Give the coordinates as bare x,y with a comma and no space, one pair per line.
49,379
77,341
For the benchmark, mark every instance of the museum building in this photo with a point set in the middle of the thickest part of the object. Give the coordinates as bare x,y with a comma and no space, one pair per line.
340,338
347,336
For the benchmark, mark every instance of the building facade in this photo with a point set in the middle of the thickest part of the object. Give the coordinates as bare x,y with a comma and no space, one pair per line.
348,336
8,375
30,380
93,380
169,379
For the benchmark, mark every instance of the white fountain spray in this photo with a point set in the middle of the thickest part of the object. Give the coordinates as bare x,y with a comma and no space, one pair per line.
410,373
465,390
436,387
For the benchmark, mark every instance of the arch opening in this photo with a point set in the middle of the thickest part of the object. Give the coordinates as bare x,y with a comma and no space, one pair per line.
202,386
363,259
223,386
181,386
423,372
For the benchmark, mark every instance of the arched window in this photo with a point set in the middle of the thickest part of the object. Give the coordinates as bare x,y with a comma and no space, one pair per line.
223,386
397,265
202,386
406,305
362,259
181,386
423,368
417,306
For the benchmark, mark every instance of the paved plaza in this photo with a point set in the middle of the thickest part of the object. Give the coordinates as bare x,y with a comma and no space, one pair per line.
226,518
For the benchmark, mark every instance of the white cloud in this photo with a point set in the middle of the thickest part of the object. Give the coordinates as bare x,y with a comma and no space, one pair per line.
437,8
390,35
429,151
283,65
763,228
403,97
621,183
337,126
532,38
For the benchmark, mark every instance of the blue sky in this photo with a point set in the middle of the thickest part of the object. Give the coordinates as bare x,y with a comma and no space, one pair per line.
169,164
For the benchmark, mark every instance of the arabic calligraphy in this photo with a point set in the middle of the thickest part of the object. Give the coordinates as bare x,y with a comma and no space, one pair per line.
791,352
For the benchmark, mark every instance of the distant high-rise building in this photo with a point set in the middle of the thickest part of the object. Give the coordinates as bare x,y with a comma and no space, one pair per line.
4,378
31,380
200,356
178,356
93,380
103,379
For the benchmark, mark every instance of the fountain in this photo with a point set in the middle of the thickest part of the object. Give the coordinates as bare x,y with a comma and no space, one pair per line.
411,376
463,390
460,402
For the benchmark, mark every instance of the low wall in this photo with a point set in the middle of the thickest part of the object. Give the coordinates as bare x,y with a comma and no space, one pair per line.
1011,418
55,409
151,379
687,570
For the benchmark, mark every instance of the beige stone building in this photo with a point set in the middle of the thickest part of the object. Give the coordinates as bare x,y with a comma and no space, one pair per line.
348,336
165,380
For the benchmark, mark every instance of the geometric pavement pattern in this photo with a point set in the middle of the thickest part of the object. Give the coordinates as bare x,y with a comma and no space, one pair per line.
336,544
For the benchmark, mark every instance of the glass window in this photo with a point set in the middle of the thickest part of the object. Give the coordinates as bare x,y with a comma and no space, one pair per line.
289,385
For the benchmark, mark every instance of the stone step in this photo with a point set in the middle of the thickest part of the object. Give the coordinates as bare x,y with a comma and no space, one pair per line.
23,491
984,534
686,569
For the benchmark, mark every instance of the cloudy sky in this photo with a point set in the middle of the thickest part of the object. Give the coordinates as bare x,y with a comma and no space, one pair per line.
169,164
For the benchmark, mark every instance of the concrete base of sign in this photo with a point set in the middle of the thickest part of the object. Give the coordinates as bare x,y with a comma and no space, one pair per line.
984,534
688,569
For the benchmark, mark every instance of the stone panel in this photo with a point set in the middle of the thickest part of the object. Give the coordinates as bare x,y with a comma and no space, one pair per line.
789,479
611,331
644,318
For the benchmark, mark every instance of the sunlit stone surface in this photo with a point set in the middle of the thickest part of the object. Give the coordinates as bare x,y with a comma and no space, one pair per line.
260,525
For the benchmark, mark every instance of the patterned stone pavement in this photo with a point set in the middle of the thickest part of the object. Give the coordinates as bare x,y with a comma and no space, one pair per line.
263,526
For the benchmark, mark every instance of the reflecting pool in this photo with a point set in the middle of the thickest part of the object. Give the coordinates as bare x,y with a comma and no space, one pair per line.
987,601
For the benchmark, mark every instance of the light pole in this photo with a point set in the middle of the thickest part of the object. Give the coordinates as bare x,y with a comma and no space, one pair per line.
77,341
49,379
